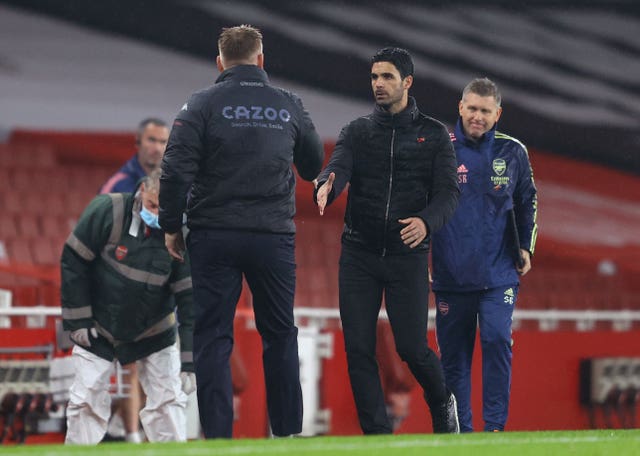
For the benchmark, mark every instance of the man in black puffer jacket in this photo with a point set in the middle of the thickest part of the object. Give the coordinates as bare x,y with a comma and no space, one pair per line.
401,168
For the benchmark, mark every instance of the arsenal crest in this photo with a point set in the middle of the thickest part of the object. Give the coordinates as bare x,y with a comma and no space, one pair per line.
443,307
121,252
499,166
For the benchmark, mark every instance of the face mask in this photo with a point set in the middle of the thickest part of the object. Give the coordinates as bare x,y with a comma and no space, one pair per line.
151,220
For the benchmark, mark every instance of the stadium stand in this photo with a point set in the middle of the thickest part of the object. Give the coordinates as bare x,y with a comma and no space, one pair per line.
567,67
40,215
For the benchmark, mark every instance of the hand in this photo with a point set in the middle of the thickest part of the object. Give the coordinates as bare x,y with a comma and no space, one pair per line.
324,191
174,242
415,231
526,257
188,380
81,336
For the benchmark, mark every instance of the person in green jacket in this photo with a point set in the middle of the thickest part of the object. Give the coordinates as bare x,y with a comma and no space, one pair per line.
117,280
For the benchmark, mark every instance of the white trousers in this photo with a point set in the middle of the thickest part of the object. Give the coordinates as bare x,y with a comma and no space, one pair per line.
163,416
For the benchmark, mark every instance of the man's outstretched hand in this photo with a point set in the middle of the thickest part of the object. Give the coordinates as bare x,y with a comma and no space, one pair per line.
324,191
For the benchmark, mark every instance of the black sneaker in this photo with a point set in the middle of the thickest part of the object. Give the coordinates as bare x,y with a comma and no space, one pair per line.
445,417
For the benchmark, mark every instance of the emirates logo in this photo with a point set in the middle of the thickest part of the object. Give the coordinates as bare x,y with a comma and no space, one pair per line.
121,252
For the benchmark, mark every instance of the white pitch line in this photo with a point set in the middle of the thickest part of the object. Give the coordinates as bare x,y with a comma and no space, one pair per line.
353,446
407,444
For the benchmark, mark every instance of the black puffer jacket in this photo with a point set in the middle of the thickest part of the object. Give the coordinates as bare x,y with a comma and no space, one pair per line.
398,166
231,148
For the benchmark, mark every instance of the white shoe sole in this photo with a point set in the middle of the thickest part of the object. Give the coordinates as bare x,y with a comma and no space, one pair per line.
455,410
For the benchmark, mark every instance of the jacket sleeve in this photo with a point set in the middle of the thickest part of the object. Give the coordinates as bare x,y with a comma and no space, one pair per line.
525,204
308,153
81,249
182,290
180,164
340,163
443,191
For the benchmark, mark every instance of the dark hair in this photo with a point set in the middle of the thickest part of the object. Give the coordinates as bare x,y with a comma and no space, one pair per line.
484,87
400,58
150,121
239,43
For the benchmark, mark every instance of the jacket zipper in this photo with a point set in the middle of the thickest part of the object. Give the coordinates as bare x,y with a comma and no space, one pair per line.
386,213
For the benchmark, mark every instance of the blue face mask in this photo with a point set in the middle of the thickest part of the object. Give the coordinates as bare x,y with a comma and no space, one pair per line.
151,220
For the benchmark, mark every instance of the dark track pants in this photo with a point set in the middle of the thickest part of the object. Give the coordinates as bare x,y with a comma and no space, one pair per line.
363,278
457,317
218,260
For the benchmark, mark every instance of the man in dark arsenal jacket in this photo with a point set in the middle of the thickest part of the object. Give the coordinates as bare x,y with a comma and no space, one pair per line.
118,281
401,168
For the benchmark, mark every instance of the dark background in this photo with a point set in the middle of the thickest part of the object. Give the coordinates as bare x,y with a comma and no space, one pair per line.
184,27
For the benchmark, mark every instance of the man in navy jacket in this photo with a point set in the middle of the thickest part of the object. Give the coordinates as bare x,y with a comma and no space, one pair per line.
480,253
151,139
230,150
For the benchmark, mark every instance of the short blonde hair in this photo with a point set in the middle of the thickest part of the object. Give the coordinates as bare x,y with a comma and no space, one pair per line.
240,43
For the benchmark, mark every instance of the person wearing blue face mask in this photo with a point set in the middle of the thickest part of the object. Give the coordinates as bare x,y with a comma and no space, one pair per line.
150,218
117,283
151,141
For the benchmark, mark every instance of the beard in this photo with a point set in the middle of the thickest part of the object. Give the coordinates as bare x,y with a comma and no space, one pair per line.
390,100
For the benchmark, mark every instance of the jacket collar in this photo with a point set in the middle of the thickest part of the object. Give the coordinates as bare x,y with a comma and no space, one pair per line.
404,117
136,220
244,72
485,141
134,167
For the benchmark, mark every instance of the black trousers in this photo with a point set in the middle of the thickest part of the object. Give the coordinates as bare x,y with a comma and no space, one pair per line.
363,277
218,260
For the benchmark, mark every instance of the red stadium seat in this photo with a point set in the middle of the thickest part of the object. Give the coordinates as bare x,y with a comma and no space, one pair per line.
33,202
19,251
43,252
28,226
12,202
8,227
29,179
76,202
53,227
49,295
5,180
54,202
26,156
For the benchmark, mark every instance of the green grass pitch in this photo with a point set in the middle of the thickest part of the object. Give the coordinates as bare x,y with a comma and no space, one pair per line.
583,443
